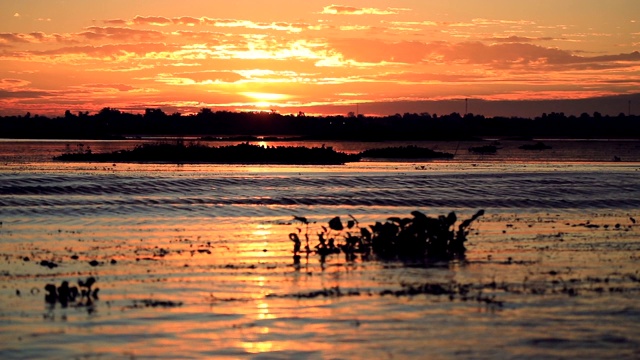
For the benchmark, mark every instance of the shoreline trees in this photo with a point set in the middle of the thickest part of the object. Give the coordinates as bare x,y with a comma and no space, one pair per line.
110,123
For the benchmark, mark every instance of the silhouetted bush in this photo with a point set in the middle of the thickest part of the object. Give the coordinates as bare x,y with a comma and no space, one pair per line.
405,238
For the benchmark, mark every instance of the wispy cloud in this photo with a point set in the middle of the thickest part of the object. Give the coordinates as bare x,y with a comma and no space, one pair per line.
202,78
519,39
206,21
115,86
13,83
115,22
121,33
151,20
23,94
13,38
351,10
111,52
499,55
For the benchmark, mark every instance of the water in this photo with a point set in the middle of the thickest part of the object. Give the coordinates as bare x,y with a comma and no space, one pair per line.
194,261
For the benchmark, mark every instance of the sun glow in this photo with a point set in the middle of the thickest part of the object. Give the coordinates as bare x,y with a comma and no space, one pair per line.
392,56
265,100
265,97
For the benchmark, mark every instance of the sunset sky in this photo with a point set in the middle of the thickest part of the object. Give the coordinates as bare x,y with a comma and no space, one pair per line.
320,57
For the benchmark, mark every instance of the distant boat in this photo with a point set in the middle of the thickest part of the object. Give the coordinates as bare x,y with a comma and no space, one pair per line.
485,149
537,146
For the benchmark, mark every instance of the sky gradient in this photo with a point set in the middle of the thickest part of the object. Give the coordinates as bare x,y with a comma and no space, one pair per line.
320,57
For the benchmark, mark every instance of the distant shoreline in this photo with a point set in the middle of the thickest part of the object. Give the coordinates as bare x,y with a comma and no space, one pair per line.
209,125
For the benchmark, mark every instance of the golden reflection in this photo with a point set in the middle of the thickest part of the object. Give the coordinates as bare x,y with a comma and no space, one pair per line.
262,232
258,347
263,311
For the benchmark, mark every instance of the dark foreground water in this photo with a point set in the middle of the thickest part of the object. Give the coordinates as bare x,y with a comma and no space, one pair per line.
194,261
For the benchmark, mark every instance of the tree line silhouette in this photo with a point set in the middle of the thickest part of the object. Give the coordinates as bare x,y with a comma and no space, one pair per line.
110,123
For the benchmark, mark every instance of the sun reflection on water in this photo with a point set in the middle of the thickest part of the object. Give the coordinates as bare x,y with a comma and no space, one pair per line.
254,344
258,347
263,311
262,232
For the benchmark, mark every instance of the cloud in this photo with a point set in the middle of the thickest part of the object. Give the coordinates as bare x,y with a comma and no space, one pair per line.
13,83
23,94
279,26
110,51
152,20
421,78
205,21
412,23
519,39
517,54
117,22
118,87
186,21
499,55
351,10
37,37
34,37
202,36
6,38
354,27
121,33
376,51
632,57
201,77
481,21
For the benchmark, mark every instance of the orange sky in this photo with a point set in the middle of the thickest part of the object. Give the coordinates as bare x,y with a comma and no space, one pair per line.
320,57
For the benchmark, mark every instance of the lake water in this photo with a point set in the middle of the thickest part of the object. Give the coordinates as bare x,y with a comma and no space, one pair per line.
194,261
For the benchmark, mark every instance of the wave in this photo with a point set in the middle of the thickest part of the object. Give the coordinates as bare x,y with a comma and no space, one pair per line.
89,195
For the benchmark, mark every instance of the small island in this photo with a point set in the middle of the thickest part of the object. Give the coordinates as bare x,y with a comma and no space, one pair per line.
246,153
243,153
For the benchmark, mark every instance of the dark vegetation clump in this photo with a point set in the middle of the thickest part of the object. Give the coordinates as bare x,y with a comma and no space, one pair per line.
405,152
156,303
45,263
413,237
150,303
243,153
65,294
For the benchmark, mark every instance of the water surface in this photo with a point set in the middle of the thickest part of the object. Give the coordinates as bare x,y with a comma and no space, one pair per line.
202,264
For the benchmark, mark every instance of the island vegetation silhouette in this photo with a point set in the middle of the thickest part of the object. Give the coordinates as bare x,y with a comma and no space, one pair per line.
110,123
